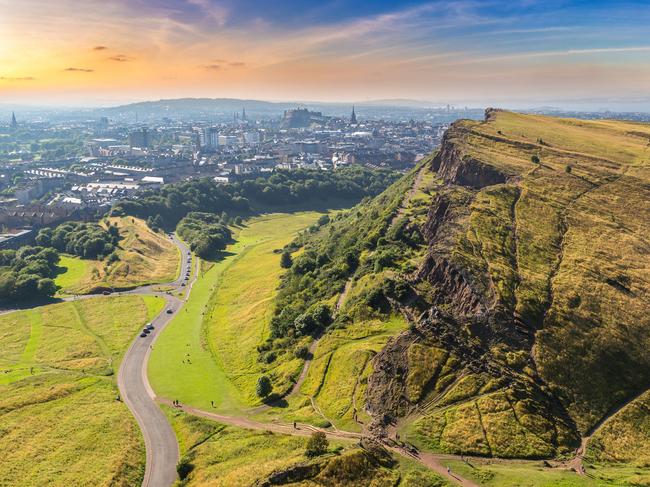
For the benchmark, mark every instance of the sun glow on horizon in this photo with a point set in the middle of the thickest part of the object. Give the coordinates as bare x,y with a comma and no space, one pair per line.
66,51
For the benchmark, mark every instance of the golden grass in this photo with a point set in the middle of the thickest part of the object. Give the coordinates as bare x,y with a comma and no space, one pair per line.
58,393
145,257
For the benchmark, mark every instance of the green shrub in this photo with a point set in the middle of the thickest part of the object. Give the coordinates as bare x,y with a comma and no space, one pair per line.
317,444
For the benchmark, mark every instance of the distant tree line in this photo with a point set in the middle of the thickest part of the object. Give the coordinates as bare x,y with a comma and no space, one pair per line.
206,233
86,240
169,204
27,273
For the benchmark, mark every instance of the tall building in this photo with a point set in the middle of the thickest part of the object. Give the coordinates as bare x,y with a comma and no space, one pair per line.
210,137
353,118
14,123
139,138
243,115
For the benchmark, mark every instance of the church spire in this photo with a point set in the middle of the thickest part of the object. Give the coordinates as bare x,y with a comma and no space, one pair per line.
353,118
14,123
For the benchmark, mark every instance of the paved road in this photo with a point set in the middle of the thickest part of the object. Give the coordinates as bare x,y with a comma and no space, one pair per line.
159,438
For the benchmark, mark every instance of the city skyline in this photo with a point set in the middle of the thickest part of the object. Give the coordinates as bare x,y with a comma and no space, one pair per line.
482,52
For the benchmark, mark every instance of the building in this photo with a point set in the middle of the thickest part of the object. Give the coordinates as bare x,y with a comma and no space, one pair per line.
14,123
300,118
139,138
228,140
252,138
353,118
210,137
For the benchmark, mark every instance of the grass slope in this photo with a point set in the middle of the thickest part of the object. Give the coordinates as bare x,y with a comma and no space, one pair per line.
145,257
58,393
208,353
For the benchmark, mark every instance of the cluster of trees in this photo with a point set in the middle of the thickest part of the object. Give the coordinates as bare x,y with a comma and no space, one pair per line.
281,189
27,273
86,240
206,233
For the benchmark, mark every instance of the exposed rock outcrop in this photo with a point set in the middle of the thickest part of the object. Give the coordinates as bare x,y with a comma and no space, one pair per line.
454,166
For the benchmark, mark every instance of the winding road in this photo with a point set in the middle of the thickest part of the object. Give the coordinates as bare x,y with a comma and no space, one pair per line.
159,438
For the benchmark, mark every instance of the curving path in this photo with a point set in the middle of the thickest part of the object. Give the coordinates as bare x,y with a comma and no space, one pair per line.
159,438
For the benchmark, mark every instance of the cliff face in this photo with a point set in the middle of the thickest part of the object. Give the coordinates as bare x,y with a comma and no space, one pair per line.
524,290
455,166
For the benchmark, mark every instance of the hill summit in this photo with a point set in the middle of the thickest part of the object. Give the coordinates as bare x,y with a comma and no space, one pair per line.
518,254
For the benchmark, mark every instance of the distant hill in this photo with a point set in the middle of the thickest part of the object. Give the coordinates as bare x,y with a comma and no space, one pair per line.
224,109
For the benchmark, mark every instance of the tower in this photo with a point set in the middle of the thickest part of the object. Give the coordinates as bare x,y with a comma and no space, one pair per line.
14,123
243,114
353,118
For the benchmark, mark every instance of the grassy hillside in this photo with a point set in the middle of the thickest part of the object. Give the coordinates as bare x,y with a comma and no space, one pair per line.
145,257
58,393
518,256
222,455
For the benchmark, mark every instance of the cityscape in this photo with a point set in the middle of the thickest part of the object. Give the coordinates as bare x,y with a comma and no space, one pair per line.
387,243
52,172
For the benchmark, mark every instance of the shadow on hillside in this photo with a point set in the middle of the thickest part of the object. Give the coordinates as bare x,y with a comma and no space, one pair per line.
6,307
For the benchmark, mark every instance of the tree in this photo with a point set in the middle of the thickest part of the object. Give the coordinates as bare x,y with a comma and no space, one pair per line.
286,261
317,444
535,159
46,287
263,387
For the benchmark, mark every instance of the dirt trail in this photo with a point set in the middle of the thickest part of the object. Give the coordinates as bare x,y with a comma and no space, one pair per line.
407,197
432,461
577,462
312,348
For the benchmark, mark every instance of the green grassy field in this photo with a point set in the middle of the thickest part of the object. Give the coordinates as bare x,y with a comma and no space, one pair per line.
145,257
207,353
58,393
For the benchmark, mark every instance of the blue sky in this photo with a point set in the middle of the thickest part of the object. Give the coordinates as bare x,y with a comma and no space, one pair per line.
464,50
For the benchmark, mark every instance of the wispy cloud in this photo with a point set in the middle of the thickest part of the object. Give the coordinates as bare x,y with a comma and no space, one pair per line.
79,70
120,58
212,67
100,48
549,54
17,78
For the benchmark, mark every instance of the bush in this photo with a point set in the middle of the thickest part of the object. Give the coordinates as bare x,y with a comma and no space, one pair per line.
301,352
286,261
317,444
263,387
184,467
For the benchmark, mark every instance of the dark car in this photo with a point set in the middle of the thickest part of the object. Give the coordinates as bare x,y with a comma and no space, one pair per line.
143,335
146,331
170,311
182,284
106,293
149,327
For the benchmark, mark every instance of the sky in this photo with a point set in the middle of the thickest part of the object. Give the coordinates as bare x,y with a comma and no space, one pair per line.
104,52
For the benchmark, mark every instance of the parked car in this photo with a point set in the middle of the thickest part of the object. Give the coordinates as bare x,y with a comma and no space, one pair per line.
170,311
